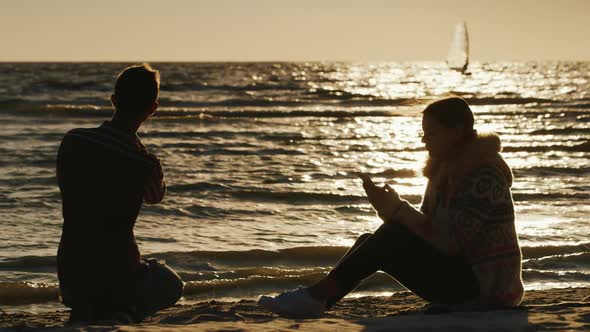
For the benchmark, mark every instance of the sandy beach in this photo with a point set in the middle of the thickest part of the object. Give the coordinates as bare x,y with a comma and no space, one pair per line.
543,310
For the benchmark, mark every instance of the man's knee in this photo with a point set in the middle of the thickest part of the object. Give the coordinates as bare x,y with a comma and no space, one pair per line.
172,282
166,282
176,287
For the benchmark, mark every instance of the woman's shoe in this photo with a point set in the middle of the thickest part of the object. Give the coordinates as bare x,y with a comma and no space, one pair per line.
296,303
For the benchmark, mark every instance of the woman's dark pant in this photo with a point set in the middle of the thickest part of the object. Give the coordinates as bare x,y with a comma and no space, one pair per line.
413,262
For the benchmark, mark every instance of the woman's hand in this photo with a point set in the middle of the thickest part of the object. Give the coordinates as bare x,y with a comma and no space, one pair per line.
385,200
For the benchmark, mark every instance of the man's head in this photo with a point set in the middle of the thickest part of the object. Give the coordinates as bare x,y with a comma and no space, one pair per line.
136,92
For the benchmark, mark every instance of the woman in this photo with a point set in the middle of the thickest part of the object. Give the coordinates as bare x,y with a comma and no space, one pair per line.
460,248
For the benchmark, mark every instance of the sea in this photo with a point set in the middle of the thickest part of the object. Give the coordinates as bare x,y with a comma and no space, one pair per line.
261,163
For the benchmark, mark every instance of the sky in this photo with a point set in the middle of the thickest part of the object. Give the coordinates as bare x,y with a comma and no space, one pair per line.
284,30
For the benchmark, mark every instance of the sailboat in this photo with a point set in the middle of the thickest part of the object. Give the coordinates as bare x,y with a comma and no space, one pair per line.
458,57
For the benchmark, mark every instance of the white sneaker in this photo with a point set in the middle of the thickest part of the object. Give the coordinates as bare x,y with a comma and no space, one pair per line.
295,303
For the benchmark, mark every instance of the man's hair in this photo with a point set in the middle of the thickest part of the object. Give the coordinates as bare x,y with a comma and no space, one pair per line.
136,88
453,112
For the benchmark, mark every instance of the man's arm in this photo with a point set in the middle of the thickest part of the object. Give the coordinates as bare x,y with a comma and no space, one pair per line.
155,189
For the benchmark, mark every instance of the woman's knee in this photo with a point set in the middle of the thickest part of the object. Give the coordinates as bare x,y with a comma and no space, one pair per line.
362,238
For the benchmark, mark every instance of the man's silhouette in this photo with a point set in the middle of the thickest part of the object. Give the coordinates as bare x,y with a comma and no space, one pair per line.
104,175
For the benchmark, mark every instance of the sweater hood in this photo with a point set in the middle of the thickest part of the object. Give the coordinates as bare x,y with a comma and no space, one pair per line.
483,151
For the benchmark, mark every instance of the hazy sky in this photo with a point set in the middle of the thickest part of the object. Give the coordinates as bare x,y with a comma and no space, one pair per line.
260,30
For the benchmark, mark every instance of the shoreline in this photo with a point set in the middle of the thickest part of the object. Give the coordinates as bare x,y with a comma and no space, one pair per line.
553,309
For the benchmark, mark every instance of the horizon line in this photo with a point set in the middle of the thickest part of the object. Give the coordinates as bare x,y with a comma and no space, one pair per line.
280,61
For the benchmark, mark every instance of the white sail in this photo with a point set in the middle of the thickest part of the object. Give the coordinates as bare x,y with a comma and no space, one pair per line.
458,57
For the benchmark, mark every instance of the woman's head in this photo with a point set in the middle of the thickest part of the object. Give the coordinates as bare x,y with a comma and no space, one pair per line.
447,124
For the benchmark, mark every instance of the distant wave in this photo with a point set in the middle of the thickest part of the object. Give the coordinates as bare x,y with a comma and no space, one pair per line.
561,131
204,86
480,101
197,186
341,104
265,110
299,197
523,197
248,152
343,97
582,147
42,109
304,197
65,84
551,171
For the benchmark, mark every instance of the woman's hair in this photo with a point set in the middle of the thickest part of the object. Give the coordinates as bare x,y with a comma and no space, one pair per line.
453,112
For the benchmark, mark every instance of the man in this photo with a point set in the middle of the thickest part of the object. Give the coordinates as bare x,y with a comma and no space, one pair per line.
104,175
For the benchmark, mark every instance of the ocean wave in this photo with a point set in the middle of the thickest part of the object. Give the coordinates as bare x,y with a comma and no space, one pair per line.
544,171
69,84
395,173
248,152
297,197
198,186
582,147
257,107
270,113
580,103
389,173
344,97
481,101
29,263
265,110
289,197
204,86
239,273
546,251
252,283
561,131
300,197
43,109
328,255
22,292
293,257
576,261
532,112
566,276
260,284
232,103
312,256
525,197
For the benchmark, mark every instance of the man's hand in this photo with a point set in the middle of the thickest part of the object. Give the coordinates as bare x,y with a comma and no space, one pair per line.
385,200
